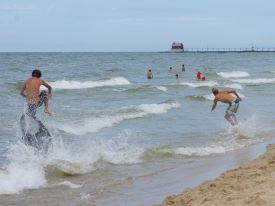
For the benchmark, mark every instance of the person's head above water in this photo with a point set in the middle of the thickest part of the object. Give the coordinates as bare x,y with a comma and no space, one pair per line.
150,70
215,91
36,73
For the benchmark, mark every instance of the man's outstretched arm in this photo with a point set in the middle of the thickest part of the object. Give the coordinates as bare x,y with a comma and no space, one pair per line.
49,88
234,92
214,105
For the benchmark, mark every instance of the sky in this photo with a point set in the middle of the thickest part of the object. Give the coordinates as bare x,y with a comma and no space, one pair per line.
128,25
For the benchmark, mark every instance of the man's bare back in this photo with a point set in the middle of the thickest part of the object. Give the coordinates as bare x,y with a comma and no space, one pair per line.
30,90
224,96
233,102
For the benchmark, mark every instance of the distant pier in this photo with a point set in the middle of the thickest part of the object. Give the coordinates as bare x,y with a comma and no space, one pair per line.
223,50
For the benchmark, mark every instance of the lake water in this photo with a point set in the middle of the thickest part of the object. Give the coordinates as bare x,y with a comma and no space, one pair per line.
116,127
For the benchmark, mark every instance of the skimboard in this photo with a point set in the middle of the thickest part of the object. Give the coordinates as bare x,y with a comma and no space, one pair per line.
40,139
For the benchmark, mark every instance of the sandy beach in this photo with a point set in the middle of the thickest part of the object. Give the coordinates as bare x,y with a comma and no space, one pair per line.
250,184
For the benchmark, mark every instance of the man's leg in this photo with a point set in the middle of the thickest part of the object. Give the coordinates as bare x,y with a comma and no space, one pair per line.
233,117
228,117
44,99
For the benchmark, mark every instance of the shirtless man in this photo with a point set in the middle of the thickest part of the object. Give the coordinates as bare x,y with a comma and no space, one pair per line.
233,103
30,91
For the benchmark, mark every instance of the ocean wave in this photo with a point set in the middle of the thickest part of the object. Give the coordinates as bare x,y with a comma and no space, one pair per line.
27,170
233,74
271,71
185,151
143,88
254,81
92,125
234,86
200,84
199,151
64,84
24,171
201,97
69,184
162,88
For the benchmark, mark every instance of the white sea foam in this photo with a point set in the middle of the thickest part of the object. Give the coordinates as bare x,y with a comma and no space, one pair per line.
209,96
199,151
233,74
115,150
193,151
64,84
118,151
161,88
24,171
234,86
69,184
85,196
200,84
254,81
135,111
25,168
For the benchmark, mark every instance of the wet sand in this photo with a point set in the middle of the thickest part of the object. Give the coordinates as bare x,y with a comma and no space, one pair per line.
252,183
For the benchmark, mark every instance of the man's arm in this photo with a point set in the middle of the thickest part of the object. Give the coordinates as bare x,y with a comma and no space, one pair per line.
214,105
234,92
22,90
49,88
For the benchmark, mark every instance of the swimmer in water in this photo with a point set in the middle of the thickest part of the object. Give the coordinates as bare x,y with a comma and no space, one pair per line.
183,68
150,74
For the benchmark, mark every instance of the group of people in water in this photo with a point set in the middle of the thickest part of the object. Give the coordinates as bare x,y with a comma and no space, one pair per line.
220,96
150,74
36,98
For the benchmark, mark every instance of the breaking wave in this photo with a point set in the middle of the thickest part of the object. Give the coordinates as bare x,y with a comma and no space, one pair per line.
200,84
94,124
234,86
233,74
190,151
254,81
64,84
162,88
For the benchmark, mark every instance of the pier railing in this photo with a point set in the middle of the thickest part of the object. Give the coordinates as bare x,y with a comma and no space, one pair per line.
201,50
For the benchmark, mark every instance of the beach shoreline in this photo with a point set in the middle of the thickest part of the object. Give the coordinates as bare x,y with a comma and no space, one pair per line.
252,183
180,177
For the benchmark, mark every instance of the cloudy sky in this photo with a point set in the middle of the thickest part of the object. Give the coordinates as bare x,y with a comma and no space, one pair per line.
140,25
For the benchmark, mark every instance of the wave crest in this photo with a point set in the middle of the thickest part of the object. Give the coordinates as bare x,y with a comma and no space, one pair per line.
200,84
92,125
233,74
64,84
255,81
